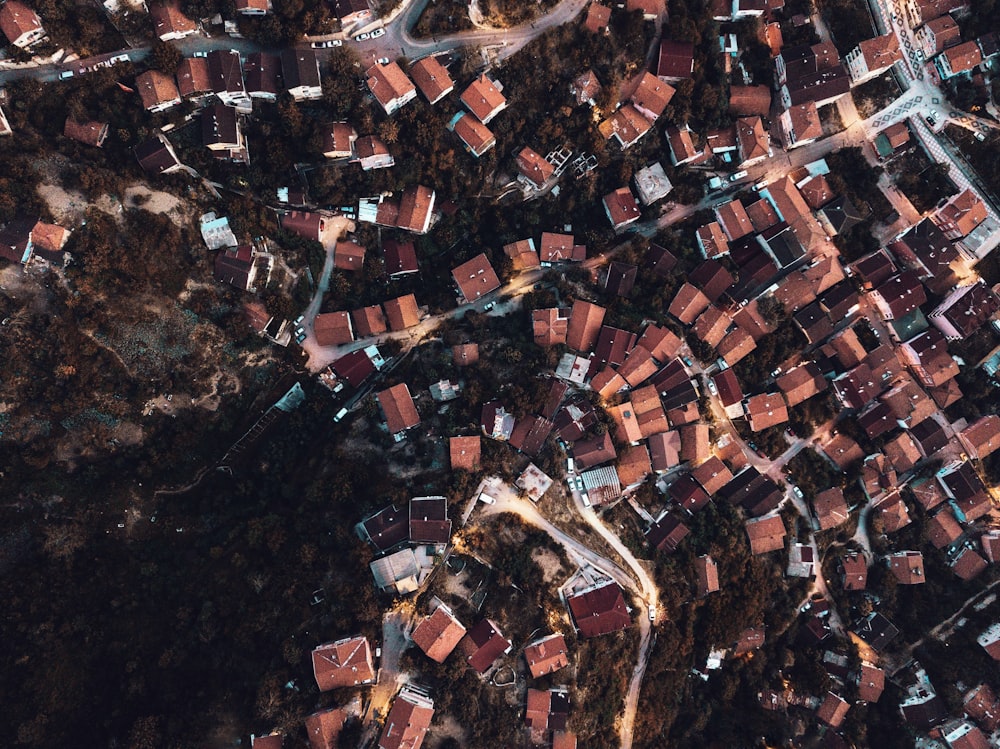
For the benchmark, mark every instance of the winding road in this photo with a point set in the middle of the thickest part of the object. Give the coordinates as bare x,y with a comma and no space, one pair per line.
639,581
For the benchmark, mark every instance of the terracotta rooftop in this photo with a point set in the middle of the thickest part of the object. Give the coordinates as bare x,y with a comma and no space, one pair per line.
546,655
766,534
402,312
621,207
345,663
651,95
483,99
333,328
833,710
399,409
908,567
750,100
388,82
712,240
323,728
407,722
707,574
881,51
465,452
557,247
597,18
830,508
368,321
534,167
155,88
584,325
688,303
599,611
734,219
438,634
432,78
766,410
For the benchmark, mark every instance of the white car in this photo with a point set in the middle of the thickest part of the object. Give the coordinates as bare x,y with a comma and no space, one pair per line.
377,33
383,61
362,37
652,613
711,387
486,499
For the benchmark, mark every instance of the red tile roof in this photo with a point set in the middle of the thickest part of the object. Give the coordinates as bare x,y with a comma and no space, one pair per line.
399,409
369,321
597,18
407,722
546,655
348,255
333,329
584,325
621,207
465,452
483,645
750,100
323,728
438,634
476,278
345,663
599,611
402,312
908,567
766,534
676,60
483,99
534,166
432,78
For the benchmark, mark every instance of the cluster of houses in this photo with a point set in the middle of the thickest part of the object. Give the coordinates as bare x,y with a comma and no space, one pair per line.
940,38
595,604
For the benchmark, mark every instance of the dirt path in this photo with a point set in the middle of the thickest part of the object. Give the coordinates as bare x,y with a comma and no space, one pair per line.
508,501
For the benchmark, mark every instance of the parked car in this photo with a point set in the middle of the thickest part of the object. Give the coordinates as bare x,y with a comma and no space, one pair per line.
383,61
711,387
377,33
738,176
65,74
486,499
797,492
362,37
652,613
